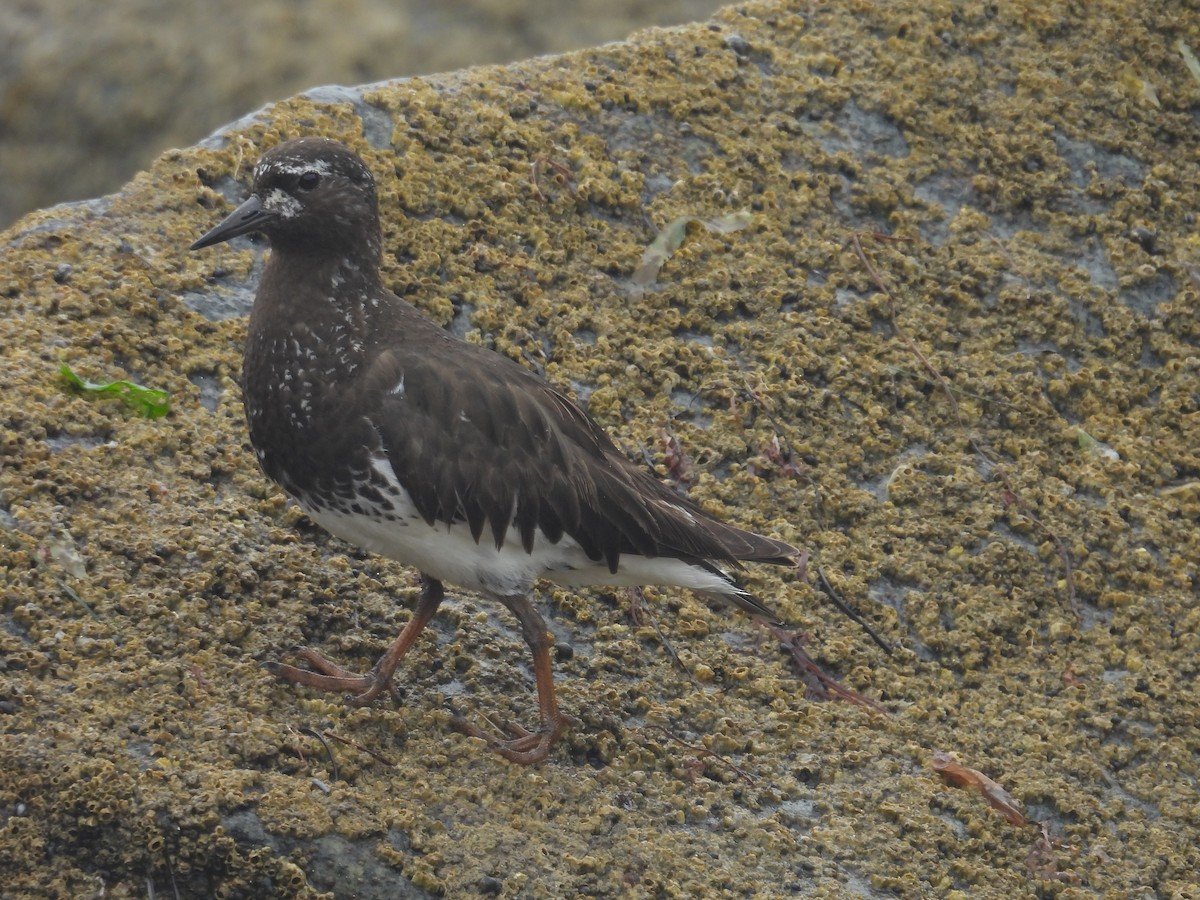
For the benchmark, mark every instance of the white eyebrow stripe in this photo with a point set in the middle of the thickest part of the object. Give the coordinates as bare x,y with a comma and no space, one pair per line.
320,166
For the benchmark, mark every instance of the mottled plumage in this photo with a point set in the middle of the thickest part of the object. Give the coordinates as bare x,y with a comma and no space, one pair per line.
398,437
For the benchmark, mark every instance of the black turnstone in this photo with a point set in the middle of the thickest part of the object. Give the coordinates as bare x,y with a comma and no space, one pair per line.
396,436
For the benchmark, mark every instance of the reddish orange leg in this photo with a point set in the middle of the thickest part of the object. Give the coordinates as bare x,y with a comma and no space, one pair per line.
362,689
530,747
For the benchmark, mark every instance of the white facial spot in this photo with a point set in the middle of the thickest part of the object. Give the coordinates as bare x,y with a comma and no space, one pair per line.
282,204
398,390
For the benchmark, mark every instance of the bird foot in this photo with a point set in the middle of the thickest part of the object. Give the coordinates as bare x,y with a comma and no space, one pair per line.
527,748
360,690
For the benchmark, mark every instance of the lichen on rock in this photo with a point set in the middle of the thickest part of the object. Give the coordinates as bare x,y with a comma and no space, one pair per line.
971,238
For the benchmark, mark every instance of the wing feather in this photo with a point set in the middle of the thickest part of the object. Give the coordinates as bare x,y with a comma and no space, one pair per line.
477,439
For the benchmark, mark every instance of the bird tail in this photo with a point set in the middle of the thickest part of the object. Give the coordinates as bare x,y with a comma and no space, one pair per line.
734,593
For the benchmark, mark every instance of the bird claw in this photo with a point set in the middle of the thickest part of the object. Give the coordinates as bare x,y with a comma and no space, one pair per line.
525,747
360,690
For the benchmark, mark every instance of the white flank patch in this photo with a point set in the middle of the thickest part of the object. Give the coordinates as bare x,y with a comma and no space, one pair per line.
449,554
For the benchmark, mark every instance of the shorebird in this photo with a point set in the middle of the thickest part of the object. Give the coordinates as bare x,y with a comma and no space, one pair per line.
397,437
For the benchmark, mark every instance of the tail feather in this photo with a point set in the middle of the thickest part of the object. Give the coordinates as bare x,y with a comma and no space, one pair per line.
751,547
739,596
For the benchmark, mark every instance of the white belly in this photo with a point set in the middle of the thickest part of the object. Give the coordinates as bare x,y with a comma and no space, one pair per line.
448,553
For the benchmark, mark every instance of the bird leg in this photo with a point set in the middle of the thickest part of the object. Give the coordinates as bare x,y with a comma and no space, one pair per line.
362,689
530,747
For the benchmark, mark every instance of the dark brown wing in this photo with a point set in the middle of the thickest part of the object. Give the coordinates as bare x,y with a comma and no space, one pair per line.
476,438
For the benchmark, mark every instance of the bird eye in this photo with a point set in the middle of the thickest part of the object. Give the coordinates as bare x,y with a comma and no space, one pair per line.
308,181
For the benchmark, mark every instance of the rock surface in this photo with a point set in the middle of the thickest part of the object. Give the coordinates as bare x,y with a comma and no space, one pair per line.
90,93
954,355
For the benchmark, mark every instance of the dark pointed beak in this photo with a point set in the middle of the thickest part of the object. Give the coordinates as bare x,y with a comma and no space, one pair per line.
248,217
